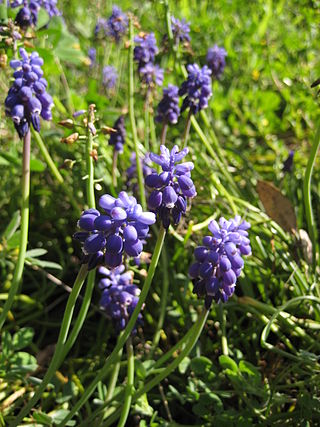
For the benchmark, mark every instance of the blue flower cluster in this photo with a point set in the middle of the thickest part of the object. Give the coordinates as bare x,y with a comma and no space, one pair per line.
117,139
28,14
151,75
219,261
168,109
216,60
115,26
92,54
119,231
172,186
119,296
145,52
197,87
180,30
27,98
109,77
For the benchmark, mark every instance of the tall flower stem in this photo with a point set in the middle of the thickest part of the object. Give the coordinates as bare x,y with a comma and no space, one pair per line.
163,303
25,192
127,331
132,117
193,338
114,167
164,133
56,359
54,171
222,319
312,227
186,130
89,161
129,386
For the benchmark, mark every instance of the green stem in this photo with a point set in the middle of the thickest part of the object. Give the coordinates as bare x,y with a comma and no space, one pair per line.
187,130
129,387
163,303
312,227
81,316
90,168
114,167
132,118
25,193
127,331
193,338
222,319
54,170
55,362
164,133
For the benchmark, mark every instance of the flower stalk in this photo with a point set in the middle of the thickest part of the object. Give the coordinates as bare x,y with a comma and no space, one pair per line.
25,190
126,332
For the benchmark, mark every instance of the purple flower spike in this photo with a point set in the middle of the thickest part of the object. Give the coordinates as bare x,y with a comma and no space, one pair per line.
151,75
119,296
117,139
146,49
172,187
216,60
28,14
219,260
119,231
180,30
109,77
197,88
168,108
27,98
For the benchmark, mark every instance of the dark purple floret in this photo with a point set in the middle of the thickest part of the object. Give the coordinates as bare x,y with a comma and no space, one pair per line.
146,48
197,88
219,261
27,98
119,296
172,187
168,109
117,24
216,59
288,163
151,75
28,14
92,54
120,230
180,30
117,139
109,77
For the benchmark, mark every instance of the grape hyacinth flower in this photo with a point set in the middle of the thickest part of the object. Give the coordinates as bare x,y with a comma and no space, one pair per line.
28,14
119,296
180,30
197,88
117,139
27,98
219,261
168,109
216,60
151,75
145,49
117,24
109,77
288,163
119,231
172,187
92,54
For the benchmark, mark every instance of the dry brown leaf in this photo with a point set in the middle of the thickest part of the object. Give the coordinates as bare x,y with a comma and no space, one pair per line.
277,206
